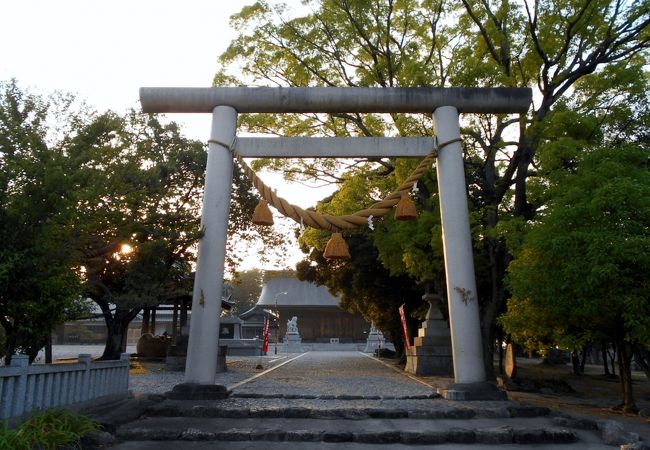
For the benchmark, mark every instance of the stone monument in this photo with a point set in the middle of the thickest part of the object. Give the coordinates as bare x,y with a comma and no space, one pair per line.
375,340
292,339
431,352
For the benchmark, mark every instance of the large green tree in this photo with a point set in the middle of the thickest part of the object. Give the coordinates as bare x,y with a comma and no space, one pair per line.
582,269
554,46
38,265
144,186
98,206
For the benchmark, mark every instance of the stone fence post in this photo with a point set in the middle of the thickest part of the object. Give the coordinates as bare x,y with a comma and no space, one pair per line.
21,361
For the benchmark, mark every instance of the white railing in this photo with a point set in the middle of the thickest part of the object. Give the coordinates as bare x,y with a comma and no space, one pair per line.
25,388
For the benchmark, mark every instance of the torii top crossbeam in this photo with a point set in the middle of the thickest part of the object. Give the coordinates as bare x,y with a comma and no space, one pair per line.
334,99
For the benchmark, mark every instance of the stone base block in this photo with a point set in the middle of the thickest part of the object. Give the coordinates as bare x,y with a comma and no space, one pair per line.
293,343
472,392
429,360
195,391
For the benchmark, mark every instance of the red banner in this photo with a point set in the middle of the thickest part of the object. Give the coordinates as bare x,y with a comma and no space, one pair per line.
265,335
404,329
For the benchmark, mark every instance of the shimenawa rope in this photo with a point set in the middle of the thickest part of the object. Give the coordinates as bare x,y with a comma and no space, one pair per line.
326,221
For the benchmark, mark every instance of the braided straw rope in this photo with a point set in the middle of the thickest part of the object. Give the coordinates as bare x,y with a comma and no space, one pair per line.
337,223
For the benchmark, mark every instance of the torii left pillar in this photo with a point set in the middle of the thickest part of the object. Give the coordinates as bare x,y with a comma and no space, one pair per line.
201,363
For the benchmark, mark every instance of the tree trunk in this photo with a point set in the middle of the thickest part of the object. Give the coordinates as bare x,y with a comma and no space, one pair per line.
495,303
603,351
48,349
146,314
642,357
583,357
575,362
625,351
116,332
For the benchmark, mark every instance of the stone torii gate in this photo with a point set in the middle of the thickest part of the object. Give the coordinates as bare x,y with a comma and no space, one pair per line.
444,104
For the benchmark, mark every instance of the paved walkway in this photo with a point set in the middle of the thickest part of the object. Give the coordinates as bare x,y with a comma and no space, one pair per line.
335,374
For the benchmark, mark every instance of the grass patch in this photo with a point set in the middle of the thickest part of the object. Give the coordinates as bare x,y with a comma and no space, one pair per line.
49,430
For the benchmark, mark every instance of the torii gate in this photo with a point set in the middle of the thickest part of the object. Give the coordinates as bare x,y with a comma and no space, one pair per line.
445,104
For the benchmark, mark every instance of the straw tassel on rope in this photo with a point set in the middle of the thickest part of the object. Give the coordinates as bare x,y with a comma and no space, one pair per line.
336,248
405,209
262,214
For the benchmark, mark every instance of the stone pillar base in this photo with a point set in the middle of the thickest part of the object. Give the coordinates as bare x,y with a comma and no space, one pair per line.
195,391
429,360
431,352
472,392
293,343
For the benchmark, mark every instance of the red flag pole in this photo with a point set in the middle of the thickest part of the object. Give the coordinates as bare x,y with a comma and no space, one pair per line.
404,329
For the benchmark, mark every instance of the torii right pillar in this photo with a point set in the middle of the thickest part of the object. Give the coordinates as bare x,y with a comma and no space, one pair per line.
469,373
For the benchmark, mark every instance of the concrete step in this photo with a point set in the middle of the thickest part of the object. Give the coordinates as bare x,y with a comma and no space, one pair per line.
414,409
368,431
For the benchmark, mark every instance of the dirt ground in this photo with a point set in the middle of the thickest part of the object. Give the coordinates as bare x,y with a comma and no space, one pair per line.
591,394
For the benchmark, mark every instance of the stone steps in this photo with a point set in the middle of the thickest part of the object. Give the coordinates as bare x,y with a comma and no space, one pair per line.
182,409
420,423
367,431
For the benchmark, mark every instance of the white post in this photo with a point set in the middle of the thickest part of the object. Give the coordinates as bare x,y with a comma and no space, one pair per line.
201,364
459,263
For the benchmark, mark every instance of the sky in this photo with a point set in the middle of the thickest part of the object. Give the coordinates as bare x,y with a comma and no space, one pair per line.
105,51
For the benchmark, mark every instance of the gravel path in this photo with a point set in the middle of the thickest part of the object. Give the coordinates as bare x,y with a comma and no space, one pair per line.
156,380
335,373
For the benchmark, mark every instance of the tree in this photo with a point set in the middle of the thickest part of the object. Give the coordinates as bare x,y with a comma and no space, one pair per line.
581,271
553,45
144,185
247,289
365,286
39,283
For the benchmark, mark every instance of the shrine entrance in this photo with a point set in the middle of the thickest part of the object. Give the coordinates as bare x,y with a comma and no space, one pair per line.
445,105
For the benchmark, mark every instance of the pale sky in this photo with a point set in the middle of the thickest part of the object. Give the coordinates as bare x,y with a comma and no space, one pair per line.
105,51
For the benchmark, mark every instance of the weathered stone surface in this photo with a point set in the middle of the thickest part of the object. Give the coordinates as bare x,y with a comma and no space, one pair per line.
267,412
577,423
342,436
613,433
296,412
559,436
97,439
382,437
234,434
146,434
268,435
195,391
235,412
164,410
497,435
528,436
303,435
461,436
193,434
424,437
442,413
528,411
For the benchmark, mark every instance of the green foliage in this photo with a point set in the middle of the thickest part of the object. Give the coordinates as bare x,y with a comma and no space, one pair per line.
582,268
586,60
247,289
364,286
37,241
50,430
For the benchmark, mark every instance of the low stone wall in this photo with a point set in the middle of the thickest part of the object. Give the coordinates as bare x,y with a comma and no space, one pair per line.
25,388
